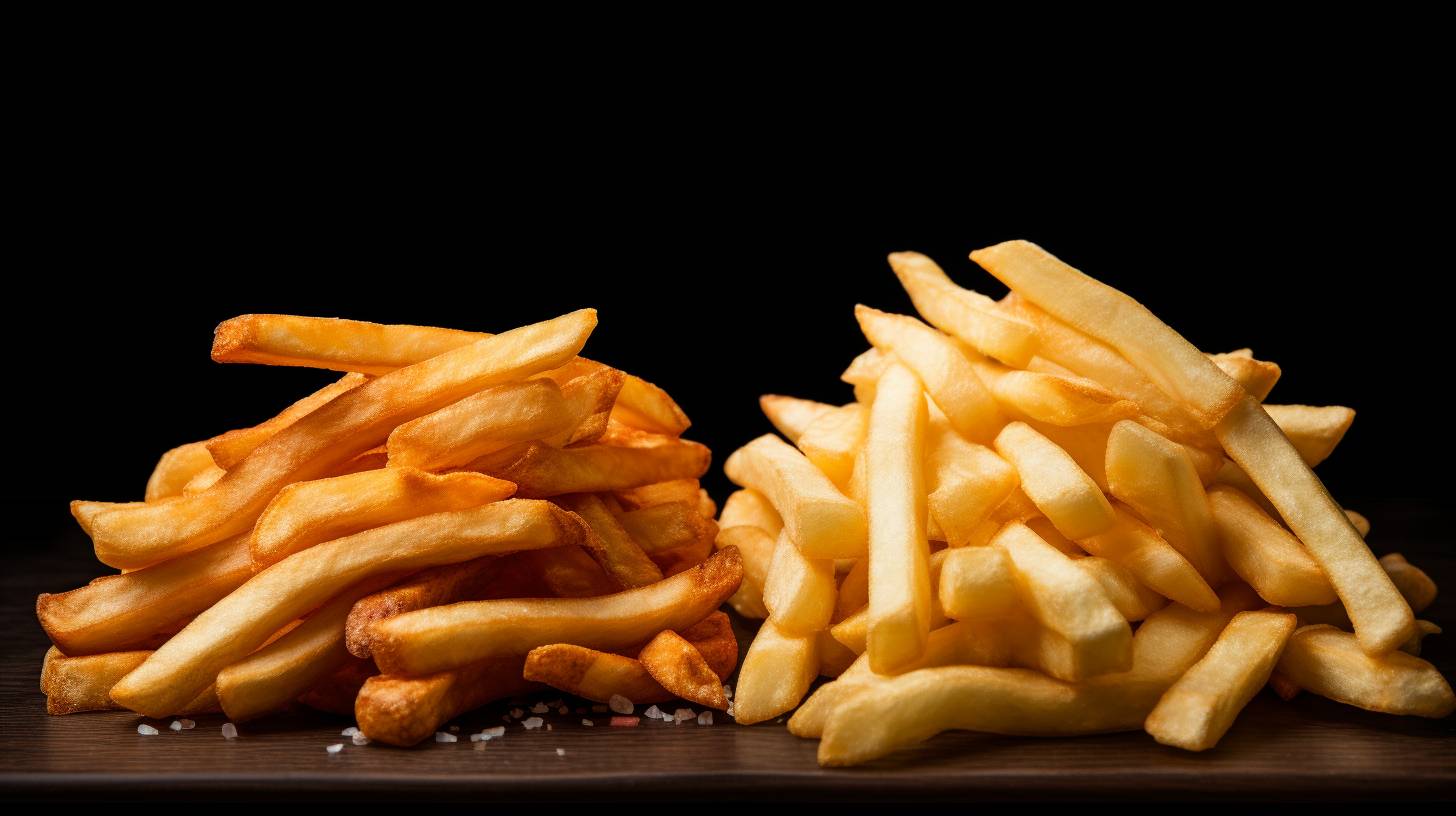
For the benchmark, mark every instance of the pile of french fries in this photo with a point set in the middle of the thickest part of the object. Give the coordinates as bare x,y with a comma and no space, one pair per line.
461,517
1052,515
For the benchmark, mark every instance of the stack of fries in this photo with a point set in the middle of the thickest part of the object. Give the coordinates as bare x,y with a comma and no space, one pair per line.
457,519
1052,515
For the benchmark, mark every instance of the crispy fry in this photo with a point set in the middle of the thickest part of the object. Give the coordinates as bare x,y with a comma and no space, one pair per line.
968,316
176,468
592,396
823,522
404,710
436,586
619,555
567,572
798,592
1054,399
776,674
976,583
752,508
674,490
593,674
678,667
1267,557
1314,431
1132,598
1255,376
671,526
336,693
1334,664
540,470
965,482
1152,560
73,684
791,416
230,448
757,549
833,439
203,480
1061,490
430,640
482,423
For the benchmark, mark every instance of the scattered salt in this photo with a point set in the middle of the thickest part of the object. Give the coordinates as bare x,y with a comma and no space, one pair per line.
229,731
539,708
147,731
588,723
176,725
561,752
476,737
653,712
187,725
728,692
445,736
779,720
532,723
729,711
684,714
620,704
335,748
548,726
625,722
359,738
350,731
706,718
492,733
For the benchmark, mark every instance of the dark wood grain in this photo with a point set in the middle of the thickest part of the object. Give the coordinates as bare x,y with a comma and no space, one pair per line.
1307,749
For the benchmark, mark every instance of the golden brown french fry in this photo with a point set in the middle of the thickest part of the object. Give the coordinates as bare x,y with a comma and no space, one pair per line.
1262,553
776,674
437,586
404,710
1314,431
176,468
1054,399
1155,477
203,480
565,572
74,684
336,693
965,482
968,316
1334,664
593,674
671,526
1197,711
119,612
899,570
1063,492
750,507
757,549
673,490
1255,376
540,470
354,422
591,398
1415,585
429,640
799,592
242,621
1132,598
1153,561
833,440
940,365
307,513
790,415
976,583
230,448
854,590
678,667
613,548
823,522
482,423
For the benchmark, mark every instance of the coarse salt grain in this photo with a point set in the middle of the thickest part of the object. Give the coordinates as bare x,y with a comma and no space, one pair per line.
728,692
561,752
653,712
147,731
625,722
350,731
335,748
729,710
176,725
620,704
492,733
359,738
187,725
229,731
445,736
532,723
684,714
548,726
539,708
706,718
588,723
476,737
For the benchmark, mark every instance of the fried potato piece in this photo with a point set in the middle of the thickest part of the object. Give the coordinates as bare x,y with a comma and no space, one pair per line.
541,471
1314,431
1256,376
436,586
823,522
354,422
482,423
619,555
776,674
242,621
750,507
307,513
203,480
854,589
672,526
976,583
74,684
680,669
651,495
1199,709
798,592
1061,490
230,448
176,468
402,711
566,572
1334,664
791,416
757,550
431,640
965,482
1415,585
1152,560
1054,399
833,439
119,612
1132,599
336,693
1266,556
968,316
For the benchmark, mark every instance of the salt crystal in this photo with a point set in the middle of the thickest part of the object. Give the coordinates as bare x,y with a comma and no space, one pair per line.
359,738
335,748
563,710
476,737
653,713
229,731
188,725
684,714
706,718
517,713
176,725
492,733
147,731
350,731
779,720
588,723
532,723
445,736
539,708
620,704
548,726
728,692
561,752
729,711
625,722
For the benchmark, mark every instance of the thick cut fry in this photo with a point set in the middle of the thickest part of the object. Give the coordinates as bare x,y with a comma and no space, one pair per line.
1198,710
1415,585
436,586
968,316
799,592
590,399
965,482
1152,560
1382,618
232,447
664,527
274,676
776,674
566,572
752,508
1061,490
1262,553
757,551
678,667
541,471
613,548
791,416
823,522
593,674
1255,376
176,468
431,640
323,342
352,423
117,612
853,631
976,584
947,374
674,490
336,693
899,571
1053,398
1334,664
404,710
1086,444
1133,599
1314,431
833,439
854,590
1068,602
203,480
73,684
307,513
482,423
242,621
1155,477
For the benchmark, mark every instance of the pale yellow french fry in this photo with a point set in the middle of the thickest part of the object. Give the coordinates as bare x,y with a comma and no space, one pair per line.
1154,476
1132,598
833,439
1063,492
1255,376
1153,561
775,675
752,508
1198,710
1086,444
976,583
1264,554
899,570
854,590
966,482
1053,398
791,415
853,631
866,368
1051,535
823,522
943,367
1068,602
1334,664
799,592
757,550
966,315
1313,430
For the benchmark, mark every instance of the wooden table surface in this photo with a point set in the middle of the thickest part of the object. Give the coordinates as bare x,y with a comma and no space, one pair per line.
1310,749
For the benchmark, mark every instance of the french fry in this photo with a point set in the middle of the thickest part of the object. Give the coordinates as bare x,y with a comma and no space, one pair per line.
308,513
680,669
965,482
757,550
1152,560
798,592
1360,523
230,448
336,693
1314,431
674,490
1054,399
833,440
119,612
176,468
354,422
242,621
976,583
593,674
1199,709
968,316
482,423
1262,553
752,508
430,640
74,684
541,471
436,586
791,416
671,526
404,710
776,674
854,590
1255,376
591,398
1061,490
823,522
1414,585
1334,664
899,572
1132,599
567,572
1047,532
613,548
834,657
203,480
